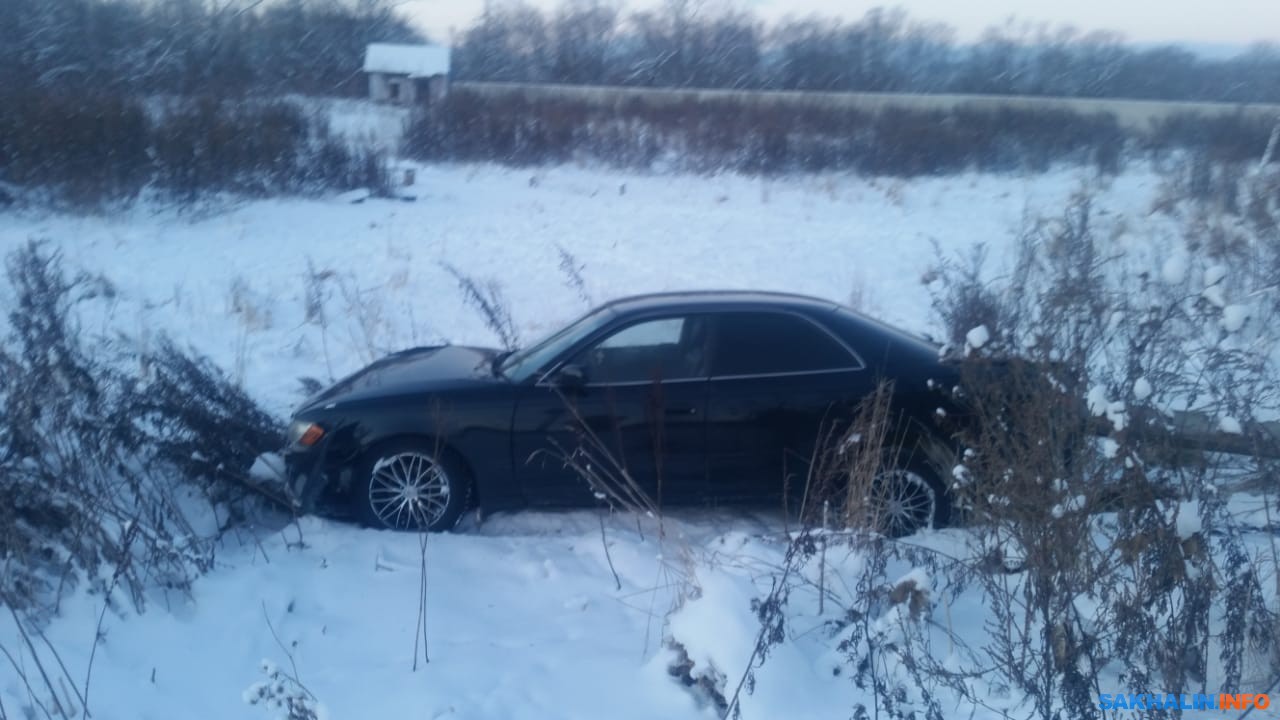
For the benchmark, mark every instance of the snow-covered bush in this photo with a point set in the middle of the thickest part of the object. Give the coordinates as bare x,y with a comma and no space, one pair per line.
1121,398
96,148
101,465
1126,550
879,606
196,425
283,696
208,144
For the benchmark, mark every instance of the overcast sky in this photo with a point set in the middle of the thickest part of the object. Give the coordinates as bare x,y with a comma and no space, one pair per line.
1209,22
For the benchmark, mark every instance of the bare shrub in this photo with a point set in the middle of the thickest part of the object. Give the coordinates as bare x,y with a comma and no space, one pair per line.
767,139
38,667
253,310
1127,521
366,317
316,294
880,607
962,300
602,467
208,145
845,486
1220,138
282,694
86,149
199,426
487,299
572,270
605,474
64,440
97,463
1096,482
884,608
94,148
330,162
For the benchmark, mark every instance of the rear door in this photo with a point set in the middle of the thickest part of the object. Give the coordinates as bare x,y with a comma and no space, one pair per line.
776,377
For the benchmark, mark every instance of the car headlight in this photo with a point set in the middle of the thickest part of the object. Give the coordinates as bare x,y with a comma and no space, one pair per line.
304,433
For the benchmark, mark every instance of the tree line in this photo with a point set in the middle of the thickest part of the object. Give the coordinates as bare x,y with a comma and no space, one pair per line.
693,43
194,47
317,47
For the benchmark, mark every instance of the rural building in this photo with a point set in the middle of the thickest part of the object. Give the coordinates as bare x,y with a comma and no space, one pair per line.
407,74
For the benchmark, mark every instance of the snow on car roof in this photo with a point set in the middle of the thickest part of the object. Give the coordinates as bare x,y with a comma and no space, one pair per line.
411,60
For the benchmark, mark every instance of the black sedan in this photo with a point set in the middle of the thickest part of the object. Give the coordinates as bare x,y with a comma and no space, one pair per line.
702,396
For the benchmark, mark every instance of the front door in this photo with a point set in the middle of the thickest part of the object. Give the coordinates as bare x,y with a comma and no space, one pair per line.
635,422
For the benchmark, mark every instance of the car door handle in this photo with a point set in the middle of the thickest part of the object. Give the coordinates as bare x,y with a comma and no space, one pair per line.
681,411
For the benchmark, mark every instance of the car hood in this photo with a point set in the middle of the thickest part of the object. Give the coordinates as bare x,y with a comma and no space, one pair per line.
425,369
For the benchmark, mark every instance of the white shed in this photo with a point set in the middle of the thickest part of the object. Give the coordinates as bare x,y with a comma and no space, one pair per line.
407,74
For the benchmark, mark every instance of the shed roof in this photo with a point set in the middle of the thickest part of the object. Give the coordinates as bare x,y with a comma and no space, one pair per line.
411,60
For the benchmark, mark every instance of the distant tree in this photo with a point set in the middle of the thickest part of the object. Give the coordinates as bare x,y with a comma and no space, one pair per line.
683,44
1168,73
1095,61
660,46
1000,63
809,56
194,46
1253,76
583,36
882,52
508,43
318,47
728,51
871,42
923,57
263,47
61,42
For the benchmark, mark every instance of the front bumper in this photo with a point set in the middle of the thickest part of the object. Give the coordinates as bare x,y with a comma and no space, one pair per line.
306,474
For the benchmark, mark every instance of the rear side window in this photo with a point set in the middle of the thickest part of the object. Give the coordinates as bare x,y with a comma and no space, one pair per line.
751,343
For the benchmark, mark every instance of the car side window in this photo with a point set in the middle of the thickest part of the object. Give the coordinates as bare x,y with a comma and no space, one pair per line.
764,343
663,349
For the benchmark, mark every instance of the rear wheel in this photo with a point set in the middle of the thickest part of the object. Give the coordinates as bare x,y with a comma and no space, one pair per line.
907,499
410,485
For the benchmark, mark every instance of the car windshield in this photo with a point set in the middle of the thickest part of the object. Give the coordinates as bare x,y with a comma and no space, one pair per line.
524,363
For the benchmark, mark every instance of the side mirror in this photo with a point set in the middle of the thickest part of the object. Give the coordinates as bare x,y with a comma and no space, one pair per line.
570,377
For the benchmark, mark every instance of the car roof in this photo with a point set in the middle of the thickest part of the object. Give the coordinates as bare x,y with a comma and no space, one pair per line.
709,300
713,299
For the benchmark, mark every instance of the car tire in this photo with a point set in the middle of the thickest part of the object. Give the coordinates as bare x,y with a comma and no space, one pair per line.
410,485
908,497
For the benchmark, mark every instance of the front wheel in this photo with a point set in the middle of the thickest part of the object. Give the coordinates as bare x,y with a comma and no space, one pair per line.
409,485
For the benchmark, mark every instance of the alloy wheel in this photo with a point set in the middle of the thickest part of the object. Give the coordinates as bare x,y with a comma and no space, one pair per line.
408,491
904,503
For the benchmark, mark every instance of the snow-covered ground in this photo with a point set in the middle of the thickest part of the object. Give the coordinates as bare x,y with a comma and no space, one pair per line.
523,621
523,618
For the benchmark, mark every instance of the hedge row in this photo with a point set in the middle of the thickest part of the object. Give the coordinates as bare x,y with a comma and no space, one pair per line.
101,148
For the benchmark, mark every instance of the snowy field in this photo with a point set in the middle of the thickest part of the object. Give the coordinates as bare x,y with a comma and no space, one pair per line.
523,617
